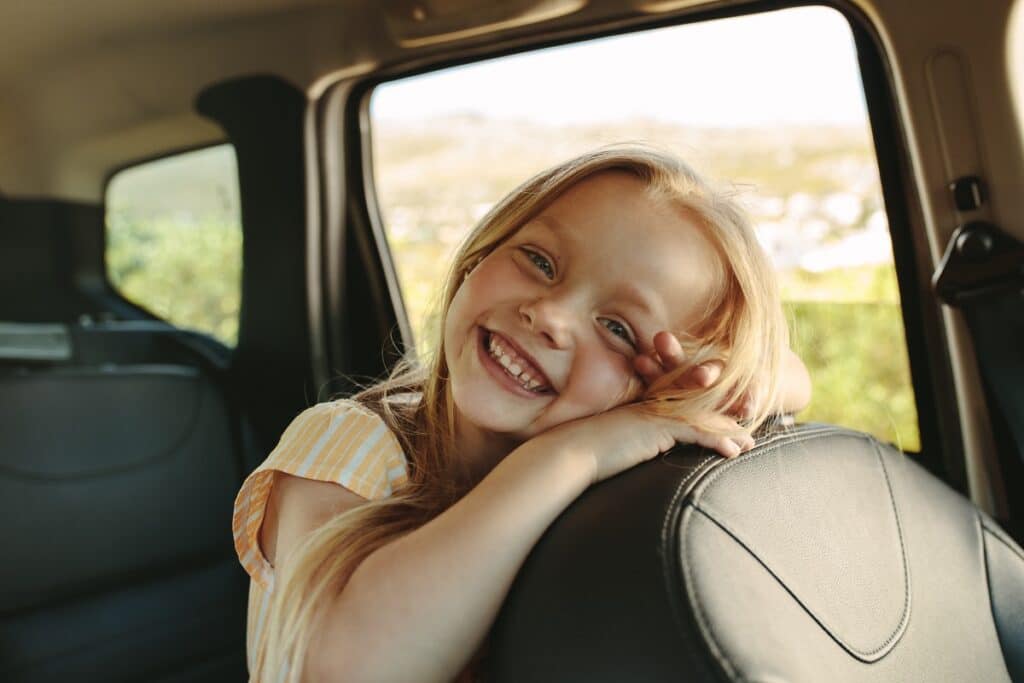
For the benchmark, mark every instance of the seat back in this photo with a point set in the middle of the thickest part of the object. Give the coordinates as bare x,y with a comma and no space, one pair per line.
117,475
819,555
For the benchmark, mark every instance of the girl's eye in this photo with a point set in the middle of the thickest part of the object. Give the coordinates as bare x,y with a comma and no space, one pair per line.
619,330
542,262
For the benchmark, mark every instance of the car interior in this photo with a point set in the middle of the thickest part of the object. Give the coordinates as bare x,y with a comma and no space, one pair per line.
831,551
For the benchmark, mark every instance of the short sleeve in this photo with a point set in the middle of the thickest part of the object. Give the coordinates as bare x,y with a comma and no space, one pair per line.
339,442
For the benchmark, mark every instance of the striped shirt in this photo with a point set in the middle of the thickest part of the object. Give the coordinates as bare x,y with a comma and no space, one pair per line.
340,442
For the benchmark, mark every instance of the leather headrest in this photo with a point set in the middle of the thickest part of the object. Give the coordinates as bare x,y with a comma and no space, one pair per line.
830,535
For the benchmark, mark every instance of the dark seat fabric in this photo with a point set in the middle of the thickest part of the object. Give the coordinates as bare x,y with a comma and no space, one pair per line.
117,477
819,555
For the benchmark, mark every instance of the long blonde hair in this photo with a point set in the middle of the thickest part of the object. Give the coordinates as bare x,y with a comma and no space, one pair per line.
743,328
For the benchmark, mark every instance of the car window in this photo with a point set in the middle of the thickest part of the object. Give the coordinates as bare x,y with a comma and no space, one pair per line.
174,239
742,100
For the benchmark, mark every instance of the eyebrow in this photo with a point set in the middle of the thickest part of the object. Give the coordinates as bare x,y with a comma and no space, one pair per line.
630,293
637,298
555,229
553,225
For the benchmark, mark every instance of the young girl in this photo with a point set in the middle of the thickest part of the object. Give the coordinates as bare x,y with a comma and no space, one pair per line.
605,310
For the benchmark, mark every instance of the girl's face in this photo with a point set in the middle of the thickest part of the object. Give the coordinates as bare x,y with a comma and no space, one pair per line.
544,330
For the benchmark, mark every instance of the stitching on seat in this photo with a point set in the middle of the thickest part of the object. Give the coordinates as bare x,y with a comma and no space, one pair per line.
983,533
695,601
773,445
671,556
698,608
986,532
902,626
679,492
669,550
997,534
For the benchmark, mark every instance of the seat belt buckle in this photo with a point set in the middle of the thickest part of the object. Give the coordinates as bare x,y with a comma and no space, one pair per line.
980,260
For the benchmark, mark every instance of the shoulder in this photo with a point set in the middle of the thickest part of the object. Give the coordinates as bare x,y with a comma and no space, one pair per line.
333,456
341,442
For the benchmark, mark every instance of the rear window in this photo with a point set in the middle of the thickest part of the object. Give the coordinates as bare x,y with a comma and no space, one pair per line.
174,239
773,102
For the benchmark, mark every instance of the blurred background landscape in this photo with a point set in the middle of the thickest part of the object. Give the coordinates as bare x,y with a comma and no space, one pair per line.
771,103
813,193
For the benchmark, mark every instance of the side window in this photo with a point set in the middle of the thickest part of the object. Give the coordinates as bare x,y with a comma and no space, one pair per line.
772,102
174,239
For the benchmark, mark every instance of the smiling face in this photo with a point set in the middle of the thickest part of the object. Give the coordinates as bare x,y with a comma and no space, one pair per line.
545,328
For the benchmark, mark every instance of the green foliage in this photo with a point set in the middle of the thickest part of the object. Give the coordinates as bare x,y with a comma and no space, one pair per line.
174,239
857,358
868,283
436,181
186,272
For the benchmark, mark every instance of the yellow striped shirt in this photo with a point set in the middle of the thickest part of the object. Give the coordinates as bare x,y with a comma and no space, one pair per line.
340,442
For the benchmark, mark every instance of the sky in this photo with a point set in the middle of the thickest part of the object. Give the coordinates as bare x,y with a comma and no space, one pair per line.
790,66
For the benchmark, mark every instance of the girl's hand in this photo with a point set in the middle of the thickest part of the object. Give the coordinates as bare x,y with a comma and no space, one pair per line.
617,440
668,355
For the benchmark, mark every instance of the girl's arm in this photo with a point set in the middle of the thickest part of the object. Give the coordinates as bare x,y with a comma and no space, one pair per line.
419,607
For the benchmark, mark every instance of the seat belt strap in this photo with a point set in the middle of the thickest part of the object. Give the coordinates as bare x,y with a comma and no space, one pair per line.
982,274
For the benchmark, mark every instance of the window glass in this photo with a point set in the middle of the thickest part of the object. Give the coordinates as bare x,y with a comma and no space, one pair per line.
174,239
773,102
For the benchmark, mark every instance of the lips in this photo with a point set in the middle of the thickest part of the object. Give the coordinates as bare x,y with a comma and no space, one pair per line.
515,363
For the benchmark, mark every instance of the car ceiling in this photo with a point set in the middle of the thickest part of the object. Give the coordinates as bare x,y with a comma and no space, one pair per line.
90,87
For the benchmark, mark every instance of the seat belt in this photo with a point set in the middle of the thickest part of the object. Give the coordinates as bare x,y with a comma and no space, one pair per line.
982,275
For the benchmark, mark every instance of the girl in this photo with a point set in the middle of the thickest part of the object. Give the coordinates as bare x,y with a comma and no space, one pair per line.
606,309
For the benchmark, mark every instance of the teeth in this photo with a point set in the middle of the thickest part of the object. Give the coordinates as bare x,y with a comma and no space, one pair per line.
511,367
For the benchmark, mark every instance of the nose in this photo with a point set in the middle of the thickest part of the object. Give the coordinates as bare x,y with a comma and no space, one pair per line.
551,319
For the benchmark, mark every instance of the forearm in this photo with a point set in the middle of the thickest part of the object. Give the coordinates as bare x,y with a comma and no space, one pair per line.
419,607
796,384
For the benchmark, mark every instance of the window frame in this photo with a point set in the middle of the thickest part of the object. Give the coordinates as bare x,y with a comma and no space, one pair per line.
942,447
118,302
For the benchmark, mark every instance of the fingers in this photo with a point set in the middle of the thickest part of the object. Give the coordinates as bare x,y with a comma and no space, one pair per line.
729,439
726,446
667,355
672,356
648,368
705,374
669,350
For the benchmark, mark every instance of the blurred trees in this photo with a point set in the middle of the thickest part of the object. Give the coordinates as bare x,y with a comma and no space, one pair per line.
174,238
188,273
813,193
857,358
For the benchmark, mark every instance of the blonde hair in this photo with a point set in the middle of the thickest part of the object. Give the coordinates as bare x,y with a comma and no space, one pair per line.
743,328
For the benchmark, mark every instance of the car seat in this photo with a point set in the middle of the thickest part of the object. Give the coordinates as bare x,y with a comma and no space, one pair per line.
820,555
